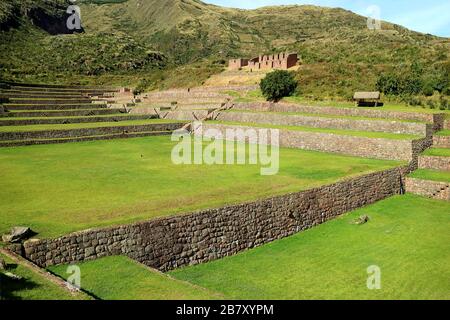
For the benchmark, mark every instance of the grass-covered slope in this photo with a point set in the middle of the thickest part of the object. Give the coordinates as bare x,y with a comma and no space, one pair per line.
119,278
407,238
339,53
57,189
31,286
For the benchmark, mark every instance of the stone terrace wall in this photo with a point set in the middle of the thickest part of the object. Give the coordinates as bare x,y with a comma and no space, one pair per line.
447,124
67,133
187,115
434,163
377,148
441,141
437,119
432,189
172,242
421,129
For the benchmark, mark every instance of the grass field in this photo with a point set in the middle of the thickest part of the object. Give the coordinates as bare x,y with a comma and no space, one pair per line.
354,133
407,238
120,278
433,175
437,152
443,133
32,286
57,189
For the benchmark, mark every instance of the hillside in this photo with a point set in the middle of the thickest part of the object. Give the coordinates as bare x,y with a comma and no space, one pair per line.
339,53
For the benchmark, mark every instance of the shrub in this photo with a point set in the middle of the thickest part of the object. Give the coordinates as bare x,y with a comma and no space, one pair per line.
431,104
428,89
444,104
277,85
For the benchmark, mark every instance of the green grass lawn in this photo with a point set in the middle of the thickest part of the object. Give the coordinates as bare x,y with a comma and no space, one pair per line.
443,133
68,126
354,133
407,237
120,278
32,286
434,175
56,189
437,152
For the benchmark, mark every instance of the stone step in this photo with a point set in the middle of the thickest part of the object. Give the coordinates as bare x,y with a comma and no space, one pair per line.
316,121
434,163
12,107
74,132
122,135
68,120
49,101
431,189
63,113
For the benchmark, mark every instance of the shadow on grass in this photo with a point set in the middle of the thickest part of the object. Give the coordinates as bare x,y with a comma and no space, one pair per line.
9,288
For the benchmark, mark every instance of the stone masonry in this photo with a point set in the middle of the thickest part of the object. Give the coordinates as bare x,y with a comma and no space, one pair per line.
427,188
377,148
414,128
199,237
434,163
282,61
437,119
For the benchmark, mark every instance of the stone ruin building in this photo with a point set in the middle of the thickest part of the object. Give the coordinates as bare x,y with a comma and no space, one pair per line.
281,61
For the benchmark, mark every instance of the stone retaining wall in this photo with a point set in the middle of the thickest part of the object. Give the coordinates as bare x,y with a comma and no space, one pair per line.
192,115
199,237
90,119
13,107
377,148
431,189
434,163
441,141
122,135
421,129
71,133
447,124
437,119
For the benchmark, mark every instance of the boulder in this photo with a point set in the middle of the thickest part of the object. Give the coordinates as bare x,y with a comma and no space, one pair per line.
361,220
17,234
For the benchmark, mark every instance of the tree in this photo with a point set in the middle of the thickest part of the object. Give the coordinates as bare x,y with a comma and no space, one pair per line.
277,85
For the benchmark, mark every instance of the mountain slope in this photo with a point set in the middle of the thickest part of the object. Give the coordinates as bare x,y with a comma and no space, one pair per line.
340,54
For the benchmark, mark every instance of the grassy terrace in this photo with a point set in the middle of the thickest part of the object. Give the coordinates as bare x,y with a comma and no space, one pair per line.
50,111
256,96
33,286
57,189
144,284
354,133
115,115
321,115
437,152
434,175
44,127
407,238
443,133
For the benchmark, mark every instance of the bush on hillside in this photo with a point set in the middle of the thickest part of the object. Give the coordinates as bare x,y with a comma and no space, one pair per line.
277,85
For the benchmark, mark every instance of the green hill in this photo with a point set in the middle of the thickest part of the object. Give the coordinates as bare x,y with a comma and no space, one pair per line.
339,53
